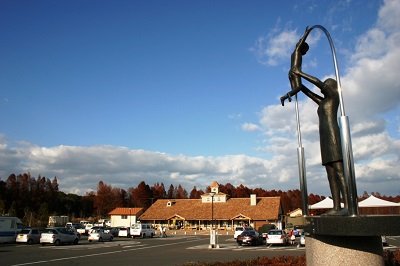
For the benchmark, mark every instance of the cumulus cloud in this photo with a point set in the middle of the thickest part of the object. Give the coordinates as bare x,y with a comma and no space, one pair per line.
250,127
79,169
277,46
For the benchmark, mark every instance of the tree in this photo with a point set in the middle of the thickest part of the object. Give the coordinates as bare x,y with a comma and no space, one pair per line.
102,200
180,192
158,191
242,192
142,195
193,193
170,193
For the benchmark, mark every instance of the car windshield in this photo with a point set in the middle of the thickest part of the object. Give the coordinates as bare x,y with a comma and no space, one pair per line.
25,231
248,233
135,226
239,228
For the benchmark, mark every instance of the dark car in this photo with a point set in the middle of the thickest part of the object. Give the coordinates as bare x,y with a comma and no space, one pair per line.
250,237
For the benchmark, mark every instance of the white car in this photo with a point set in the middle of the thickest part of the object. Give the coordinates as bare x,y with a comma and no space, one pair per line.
100,235
276,236
123,232
58,236
238,231
302,240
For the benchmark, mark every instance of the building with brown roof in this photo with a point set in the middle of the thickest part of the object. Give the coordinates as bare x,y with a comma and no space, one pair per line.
227,213
124,217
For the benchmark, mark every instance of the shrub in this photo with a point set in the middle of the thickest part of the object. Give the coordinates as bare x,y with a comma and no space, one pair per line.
392,258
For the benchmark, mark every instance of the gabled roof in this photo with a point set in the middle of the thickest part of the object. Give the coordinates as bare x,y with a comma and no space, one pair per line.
214,184
296,212
267,208
126,211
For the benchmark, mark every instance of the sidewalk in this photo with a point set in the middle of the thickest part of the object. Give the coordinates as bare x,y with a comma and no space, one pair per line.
197,232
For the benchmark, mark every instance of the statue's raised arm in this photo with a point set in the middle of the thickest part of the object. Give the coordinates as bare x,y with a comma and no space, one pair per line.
296,62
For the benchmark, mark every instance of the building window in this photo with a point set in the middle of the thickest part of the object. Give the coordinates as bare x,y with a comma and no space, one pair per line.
124,216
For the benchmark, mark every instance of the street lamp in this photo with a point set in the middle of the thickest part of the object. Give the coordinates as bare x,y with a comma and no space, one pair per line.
130,217
212,231
212,194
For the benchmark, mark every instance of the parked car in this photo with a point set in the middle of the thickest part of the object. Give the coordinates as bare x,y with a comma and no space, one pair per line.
73,229
264,229
100,235
113,231
276,236
80,228
58,236
123,232
29,236
240,229
384,241
302,242
142,230
88,227
249,237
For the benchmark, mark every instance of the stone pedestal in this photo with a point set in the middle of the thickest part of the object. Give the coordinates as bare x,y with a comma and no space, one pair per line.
346,240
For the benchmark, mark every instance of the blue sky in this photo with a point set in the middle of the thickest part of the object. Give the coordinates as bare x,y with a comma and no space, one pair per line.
187,92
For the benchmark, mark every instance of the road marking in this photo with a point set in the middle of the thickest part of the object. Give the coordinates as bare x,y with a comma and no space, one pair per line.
139,247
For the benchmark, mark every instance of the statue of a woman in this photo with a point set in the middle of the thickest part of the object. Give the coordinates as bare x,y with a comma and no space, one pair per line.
329,134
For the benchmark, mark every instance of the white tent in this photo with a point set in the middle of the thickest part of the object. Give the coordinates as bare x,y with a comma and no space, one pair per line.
373,201
326,203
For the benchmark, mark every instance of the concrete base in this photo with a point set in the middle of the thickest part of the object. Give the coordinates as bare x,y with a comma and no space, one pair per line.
348,240
344,250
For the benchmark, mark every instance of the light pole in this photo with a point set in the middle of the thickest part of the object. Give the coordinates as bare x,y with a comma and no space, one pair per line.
130,217
212,194
212,231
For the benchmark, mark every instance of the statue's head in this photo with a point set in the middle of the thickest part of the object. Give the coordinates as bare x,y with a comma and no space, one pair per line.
304,48
330,88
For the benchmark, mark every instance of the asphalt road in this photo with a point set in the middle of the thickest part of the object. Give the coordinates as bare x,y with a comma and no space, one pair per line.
173,250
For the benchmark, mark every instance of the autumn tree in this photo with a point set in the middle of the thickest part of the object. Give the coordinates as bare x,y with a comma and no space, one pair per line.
158,191
180,192
170,193
242,192
102,200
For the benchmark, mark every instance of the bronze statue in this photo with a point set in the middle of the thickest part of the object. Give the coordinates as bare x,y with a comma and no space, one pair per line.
329,132
296,62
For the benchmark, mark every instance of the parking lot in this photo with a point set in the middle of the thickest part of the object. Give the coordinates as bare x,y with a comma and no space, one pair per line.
179,249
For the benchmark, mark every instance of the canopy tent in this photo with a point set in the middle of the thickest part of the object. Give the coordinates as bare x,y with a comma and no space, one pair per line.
373,201
327,203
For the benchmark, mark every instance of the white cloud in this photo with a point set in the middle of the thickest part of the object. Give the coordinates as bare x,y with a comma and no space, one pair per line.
250,127
79,169
276,47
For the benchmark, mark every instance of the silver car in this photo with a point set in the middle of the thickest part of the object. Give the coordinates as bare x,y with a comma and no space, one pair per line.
100,235
29,236
58,236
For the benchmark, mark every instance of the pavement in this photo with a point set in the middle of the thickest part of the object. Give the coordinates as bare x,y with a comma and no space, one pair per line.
196,232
